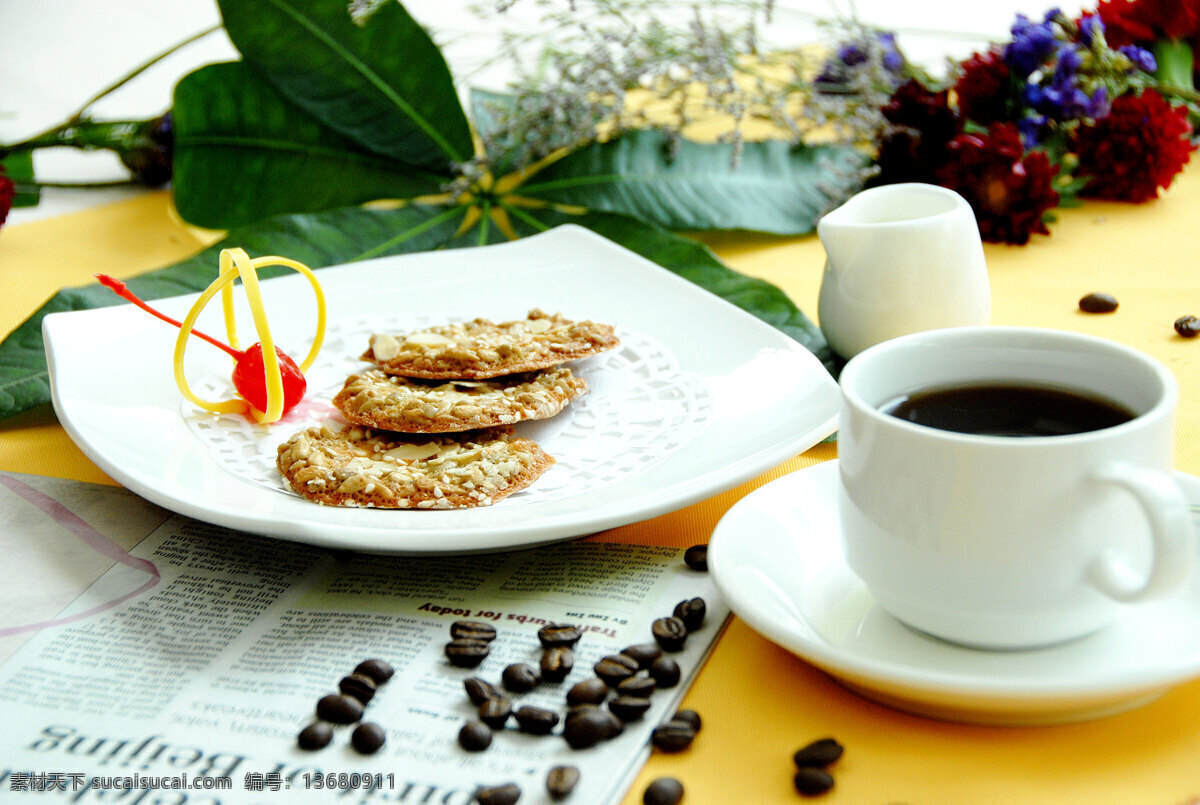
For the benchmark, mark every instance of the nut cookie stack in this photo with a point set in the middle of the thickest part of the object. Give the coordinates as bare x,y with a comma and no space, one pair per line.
432,421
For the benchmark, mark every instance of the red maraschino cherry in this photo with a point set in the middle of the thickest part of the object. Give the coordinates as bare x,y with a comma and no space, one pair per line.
249,373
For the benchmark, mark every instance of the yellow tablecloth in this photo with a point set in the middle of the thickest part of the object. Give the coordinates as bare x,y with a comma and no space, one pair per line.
759,702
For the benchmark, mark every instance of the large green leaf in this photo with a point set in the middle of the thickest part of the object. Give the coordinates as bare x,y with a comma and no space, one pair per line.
243,153
773,188
350,234
379,80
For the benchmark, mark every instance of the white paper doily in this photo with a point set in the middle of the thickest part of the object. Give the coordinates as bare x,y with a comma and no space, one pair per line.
640,408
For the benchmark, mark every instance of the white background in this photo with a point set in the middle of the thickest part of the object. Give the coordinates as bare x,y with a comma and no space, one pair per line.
56,54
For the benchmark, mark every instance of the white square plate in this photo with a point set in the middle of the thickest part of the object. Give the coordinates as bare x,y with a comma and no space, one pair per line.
699,397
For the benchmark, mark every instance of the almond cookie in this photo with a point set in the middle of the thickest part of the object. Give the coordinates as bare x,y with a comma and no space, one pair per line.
481,349
413,405
363,468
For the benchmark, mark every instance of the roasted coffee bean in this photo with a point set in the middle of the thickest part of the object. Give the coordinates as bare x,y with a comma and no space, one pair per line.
696,557
1187,326
559,634
480,690
557,663
643,653
520,677
466,652
368,738
472,630
338,708
640,684
316,735
495,712
360,686
673,736
670,633
587,727
536,720
506,794
629,708
1098,303
663,791
819,753
691,612
378,670
561,781
590,691
665,671
811,781
689,717
615,667
475,736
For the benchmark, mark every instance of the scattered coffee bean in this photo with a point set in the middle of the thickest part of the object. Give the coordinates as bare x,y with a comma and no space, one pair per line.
557,663
643,653
378,670
1187,326
520,677
472,630
338,708
629,708
691,612
1098,303
368,738
590,691
587,727
615,667
536,720
663,791
665,671
559,635
812,781
696,557
316,735
495,712
673,736
506,794
475,736
467,652
640,684
561,781
819,753
360,686
670,633
689,717
480,690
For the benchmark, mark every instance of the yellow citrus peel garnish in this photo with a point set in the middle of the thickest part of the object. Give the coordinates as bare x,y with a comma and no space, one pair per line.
262,367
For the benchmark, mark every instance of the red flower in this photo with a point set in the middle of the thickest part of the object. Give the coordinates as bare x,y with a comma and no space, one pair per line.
1140,22
984,90
1137,149
1009,189
7,192
922,125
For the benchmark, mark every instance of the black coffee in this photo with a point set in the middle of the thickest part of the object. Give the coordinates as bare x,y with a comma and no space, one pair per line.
1008,410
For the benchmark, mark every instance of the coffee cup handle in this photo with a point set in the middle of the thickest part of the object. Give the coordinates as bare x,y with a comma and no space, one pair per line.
1171,532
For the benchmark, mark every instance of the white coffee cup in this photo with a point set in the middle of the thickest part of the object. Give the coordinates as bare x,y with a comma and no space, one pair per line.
1010,541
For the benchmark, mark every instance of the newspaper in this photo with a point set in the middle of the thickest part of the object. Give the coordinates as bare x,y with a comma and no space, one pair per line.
185,671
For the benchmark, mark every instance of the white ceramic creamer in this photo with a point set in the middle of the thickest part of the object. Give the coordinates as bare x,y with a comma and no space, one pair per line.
900,259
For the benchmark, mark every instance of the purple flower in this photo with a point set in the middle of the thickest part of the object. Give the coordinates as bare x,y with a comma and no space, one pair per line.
1030,129
1090,29
1031,44
1142,59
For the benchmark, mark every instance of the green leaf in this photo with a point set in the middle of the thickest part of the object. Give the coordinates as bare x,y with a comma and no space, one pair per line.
19,168
773,188
381,81
242,153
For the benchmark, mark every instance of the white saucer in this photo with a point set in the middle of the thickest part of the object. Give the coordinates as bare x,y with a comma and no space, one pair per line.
777,558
